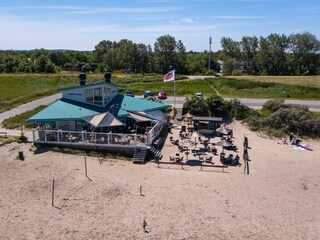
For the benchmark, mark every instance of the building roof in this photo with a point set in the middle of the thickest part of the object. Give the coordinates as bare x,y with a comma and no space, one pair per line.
215,119
121,104
89,85
65,109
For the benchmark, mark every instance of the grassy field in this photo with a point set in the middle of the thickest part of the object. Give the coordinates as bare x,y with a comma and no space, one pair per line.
310,81
16,121
240,88
17,89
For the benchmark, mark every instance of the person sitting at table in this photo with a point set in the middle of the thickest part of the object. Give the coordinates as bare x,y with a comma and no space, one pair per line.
235,161
117,140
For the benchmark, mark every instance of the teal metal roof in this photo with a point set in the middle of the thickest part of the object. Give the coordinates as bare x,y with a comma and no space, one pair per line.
121,104
89,85
65,109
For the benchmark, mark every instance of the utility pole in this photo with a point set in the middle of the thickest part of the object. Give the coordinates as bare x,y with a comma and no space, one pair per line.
209,54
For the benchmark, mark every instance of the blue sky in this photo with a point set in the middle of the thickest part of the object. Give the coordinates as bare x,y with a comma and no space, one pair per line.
80,25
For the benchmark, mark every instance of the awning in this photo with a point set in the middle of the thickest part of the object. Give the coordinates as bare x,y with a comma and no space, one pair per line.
140,118
206,122
103,120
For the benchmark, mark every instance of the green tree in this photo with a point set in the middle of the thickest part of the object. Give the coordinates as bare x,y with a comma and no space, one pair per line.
231,48
272,57
305,49
169,53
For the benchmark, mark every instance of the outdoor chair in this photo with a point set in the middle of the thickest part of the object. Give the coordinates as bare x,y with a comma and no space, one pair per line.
209,159
172,159
179,159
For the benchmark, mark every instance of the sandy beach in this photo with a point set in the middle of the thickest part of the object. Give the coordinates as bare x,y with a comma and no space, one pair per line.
279,199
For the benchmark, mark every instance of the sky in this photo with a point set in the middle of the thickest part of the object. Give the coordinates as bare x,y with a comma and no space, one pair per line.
81,25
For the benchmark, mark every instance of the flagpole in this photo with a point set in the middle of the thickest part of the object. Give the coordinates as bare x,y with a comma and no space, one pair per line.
174,91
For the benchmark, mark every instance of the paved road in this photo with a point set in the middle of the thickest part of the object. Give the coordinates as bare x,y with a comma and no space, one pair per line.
29,106
253,103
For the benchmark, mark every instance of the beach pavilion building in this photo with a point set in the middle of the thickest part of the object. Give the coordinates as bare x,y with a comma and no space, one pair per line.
96,116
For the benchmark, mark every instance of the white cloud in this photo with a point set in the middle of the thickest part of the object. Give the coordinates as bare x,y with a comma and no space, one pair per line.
187,20
237,17
92,10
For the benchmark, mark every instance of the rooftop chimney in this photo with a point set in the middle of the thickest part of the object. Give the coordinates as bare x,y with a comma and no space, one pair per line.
107,77
82,79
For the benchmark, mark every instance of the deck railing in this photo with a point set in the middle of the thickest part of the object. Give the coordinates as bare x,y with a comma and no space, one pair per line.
94,138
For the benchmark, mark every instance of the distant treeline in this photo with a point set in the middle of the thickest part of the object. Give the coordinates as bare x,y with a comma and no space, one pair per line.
276,54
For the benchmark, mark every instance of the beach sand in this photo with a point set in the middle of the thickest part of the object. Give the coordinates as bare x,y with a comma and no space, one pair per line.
279,199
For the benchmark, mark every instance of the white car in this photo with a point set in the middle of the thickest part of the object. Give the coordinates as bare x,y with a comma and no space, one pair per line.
199,95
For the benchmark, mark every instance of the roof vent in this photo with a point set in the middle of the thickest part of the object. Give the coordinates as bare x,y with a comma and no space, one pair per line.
107,77
82,79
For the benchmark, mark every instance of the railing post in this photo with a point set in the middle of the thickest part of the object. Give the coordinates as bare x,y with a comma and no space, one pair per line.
33,135
82,137
135,139
45,135
58,137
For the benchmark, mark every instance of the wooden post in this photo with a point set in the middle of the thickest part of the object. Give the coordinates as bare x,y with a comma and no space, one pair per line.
201,166
140,190
52,192
85,166
248,167
158,164
182,165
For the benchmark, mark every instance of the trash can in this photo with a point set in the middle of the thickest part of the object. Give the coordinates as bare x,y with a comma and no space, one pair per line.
21,157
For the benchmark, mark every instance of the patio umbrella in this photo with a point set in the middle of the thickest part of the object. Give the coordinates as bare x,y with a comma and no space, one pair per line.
224,143
188,115
223,130
186,143
196,135
103,120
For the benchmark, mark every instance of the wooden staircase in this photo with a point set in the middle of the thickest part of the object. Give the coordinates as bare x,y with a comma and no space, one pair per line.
139,154
156,153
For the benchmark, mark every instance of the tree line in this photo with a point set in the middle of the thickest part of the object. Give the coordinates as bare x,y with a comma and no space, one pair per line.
272,55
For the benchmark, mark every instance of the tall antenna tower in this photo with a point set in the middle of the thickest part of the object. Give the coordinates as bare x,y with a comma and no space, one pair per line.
209,54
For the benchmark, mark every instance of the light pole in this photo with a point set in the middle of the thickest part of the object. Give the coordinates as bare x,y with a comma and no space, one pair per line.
209,57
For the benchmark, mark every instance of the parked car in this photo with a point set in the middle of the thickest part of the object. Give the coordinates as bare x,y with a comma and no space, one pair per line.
148,94
199,95
162,95
129,93
236,101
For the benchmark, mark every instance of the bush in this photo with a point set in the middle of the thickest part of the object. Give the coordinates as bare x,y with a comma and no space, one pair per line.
284,119
23,138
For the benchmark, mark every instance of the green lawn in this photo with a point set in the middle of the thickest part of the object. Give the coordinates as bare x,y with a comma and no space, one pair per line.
310,81
17,89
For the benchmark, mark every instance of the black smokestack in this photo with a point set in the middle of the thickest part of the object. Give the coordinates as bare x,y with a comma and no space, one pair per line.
82,79
107,77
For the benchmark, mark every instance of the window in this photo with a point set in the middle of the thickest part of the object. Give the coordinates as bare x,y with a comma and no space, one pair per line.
93,96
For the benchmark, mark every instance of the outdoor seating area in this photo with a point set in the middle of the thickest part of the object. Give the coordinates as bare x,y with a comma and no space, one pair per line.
192,145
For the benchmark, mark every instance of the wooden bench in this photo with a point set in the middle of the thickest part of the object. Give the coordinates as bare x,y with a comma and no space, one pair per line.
4,133
215,166
183,164
171,163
